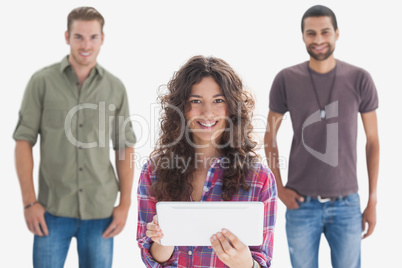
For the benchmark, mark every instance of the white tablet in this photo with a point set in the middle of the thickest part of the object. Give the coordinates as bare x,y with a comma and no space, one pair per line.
193,223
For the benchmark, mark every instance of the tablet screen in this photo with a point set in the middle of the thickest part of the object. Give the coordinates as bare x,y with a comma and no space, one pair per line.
193,223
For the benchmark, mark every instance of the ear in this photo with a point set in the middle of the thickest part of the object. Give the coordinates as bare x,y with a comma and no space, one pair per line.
337,34
304,41
67,37
102,38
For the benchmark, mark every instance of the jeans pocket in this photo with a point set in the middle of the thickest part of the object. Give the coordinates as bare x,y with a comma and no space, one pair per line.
300,203
353,200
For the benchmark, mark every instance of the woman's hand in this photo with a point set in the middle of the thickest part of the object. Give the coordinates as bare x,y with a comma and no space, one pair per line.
154,231
160,253
230,250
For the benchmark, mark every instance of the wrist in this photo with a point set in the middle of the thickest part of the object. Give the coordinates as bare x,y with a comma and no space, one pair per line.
372,199
125,203
160,253
30,204
281,191
280,188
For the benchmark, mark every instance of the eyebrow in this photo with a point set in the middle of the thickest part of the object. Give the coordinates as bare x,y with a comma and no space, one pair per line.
77,34
325,29
214,96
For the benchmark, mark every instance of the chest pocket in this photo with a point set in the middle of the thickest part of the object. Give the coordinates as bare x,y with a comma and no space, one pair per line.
54,114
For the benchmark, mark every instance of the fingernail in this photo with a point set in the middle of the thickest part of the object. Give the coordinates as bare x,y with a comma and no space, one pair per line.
224,231
219,234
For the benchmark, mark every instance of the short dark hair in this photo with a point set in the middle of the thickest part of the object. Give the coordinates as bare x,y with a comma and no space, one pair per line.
319,11
86,14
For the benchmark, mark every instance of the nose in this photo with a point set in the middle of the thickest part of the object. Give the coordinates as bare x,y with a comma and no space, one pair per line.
208,111
85,44
318,39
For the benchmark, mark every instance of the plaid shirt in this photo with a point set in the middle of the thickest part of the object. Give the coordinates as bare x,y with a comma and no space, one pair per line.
262,188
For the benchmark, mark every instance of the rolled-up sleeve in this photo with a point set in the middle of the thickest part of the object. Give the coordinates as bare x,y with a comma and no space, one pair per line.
123,133
146,212
268,195
30,114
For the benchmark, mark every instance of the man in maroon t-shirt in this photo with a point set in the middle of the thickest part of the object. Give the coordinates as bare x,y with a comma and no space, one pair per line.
324,96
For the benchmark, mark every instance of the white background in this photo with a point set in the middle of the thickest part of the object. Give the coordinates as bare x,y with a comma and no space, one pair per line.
146,41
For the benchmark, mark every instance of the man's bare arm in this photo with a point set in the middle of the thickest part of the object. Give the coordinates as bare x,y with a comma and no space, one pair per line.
373,159
34,215
287,196
125,173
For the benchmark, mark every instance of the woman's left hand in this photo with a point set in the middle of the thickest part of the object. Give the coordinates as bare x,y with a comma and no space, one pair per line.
234,253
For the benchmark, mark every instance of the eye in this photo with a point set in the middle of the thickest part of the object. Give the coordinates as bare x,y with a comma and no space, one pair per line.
94,37
195,101
219,100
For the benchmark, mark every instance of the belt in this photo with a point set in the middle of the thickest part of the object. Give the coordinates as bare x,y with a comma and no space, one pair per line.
324,199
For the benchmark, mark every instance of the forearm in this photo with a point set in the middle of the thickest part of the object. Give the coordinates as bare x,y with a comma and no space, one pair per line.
161,253
125,173
24,166
373,159
274,121
272,155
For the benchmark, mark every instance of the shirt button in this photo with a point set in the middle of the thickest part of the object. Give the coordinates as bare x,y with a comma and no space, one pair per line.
80,169
206,189
190,252
80,125
80,190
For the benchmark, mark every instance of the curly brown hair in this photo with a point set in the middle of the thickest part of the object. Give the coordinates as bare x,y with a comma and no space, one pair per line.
174,178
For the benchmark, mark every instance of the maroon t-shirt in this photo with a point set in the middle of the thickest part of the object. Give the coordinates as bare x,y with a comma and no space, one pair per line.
323,155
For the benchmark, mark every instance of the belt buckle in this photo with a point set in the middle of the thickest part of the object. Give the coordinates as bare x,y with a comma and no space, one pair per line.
323,200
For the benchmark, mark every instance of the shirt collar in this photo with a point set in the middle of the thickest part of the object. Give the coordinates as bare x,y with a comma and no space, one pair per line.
64,64
217,162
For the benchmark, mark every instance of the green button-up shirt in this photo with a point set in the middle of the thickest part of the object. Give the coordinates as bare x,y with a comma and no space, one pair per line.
76,123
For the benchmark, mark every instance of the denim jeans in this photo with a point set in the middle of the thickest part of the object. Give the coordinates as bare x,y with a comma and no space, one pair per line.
93,250
339,220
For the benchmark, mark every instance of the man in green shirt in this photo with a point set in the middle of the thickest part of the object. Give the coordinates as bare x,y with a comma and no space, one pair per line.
77,107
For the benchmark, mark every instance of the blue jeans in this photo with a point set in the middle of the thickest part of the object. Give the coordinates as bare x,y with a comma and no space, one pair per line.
93,250
339,220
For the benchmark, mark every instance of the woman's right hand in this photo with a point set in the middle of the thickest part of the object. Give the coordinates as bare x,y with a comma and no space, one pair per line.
160,253
154,231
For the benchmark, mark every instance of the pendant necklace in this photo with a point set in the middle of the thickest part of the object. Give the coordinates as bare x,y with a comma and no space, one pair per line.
322,108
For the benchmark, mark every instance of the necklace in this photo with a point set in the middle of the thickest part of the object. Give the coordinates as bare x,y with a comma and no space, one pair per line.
322,108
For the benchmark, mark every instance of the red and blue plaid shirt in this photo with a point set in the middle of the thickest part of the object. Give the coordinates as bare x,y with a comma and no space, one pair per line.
262,188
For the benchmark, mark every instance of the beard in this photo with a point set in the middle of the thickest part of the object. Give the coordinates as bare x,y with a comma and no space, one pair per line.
321,56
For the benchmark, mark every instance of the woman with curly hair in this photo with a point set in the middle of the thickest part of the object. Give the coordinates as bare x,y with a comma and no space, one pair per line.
205,153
